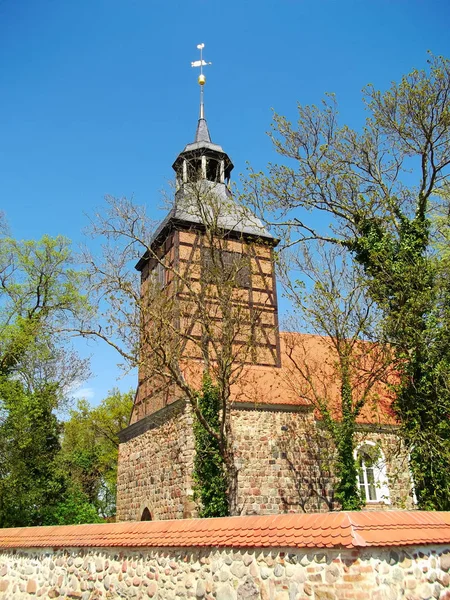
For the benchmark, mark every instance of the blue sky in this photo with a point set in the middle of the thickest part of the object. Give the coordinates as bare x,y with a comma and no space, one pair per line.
98,97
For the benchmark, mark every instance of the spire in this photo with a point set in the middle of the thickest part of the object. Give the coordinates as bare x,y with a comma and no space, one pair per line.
202,134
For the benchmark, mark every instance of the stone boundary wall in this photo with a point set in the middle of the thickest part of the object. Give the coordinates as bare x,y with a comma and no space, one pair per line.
344,556
413,573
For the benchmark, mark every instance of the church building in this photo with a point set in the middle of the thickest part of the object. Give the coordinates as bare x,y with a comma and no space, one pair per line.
282,452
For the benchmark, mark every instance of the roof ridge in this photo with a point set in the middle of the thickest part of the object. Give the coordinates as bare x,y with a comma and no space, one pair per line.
357,538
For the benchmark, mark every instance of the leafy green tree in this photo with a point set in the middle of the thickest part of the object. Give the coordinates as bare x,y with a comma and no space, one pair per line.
39,296
90,450
378,187
30,485
73,508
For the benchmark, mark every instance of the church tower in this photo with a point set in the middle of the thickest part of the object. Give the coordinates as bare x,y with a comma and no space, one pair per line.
156,450
204,206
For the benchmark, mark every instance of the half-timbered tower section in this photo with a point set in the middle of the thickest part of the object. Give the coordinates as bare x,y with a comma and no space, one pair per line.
208,247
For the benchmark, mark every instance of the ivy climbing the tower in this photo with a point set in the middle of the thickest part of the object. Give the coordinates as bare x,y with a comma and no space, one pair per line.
210,479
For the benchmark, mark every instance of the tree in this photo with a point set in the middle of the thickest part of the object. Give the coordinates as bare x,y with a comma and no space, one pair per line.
344,380
39,293
29,484
378,189
89,451
188,326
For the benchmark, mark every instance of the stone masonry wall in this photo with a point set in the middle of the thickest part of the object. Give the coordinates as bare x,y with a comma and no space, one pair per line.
284,462
411,573
155,471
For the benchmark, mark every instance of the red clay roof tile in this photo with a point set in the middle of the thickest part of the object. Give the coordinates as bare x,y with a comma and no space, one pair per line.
329,530
260,385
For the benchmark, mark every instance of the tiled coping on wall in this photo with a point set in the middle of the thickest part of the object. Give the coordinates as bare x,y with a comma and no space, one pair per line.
342,556
329,530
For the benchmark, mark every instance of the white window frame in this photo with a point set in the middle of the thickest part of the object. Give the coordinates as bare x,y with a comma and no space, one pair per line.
380,476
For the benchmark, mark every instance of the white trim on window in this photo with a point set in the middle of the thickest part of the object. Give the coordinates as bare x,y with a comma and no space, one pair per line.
372,476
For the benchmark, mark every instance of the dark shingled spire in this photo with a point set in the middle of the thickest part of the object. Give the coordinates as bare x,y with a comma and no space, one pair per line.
202,134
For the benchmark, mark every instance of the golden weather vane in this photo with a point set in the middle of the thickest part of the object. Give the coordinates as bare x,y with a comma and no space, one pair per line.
201,78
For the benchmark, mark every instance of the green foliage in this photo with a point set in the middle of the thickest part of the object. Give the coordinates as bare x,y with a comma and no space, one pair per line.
347,489
39,297
50,472
210,480
30,484
410,287
46,481
39,294
90,450
73,508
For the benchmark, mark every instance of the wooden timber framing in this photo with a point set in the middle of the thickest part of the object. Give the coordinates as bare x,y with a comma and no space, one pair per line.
179,247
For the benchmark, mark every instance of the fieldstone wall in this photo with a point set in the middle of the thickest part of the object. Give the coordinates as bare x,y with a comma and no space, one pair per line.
284,461
412,573
155,471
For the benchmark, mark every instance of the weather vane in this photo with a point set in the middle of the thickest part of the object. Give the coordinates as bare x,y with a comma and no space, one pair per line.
201,78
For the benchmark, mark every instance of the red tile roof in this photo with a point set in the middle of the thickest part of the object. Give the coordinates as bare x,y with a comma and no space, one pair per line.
326,530
261,386
285,386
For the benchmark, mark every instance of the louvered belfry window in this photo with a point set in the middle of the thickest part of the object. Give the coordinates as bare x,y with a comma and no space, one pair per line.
158,275
232,266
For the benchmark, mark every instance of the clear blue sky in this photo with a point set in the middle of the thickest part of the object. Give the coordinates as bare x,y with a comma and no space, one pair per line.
98,97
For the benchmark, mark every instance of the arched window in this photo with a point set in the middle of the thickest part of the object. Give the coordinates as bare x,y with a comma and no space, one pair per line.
372,478
146,516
